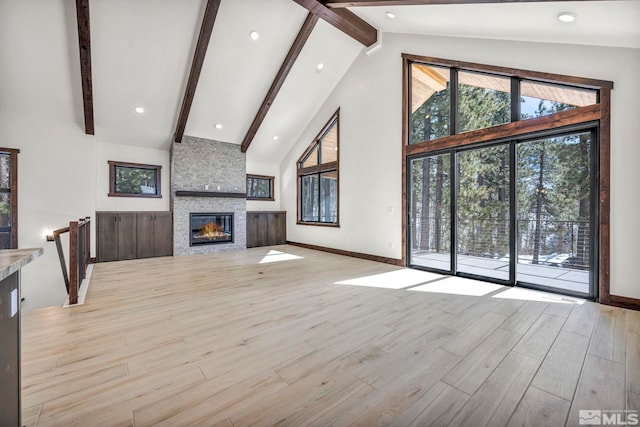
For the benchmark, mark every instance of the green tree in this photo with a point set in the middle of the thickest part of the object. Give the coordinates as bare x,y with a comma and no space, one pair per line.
131,180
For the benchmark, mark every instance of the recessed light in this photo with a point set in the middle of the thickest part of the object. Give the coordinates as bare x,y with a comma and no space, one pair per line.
567,17
218,125
320,66
391,15
253,35
275,137
138,109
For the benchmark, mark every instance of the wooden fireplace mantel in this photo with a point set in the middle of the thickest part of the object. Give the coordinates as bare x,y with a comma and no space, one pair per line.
211,194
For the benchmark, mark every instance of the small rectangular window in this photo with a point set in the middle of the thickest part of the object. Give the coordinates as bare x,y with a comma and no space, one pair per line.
260,187
134,180
541,99
8,198
430,103
483,100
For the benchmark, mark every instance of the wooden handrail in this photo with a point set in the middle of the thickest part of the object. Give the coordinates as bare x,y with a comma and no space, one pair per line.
79,254
60,231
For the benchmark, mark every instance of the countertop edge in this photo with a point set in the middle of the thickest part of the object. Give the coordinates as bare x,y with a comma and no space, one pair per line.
12,260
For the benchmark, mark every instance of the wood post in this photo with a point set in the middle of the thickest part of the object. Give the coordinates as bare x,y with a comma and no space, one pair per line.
73,262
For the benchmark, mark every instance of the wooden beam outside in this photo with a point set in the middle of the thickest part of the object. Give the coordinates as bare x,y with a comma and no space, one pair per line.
344,20
84,44
206,29
337,4
283,72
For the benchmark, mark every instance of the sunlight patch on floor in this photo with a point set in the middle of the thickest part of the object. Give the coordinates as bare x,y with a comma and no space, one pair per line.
531,295
459,286
398,279
277,256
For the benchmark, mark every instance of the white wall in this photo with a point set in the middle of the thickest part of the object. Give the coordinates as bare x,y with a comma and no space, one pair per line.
62,176
370,99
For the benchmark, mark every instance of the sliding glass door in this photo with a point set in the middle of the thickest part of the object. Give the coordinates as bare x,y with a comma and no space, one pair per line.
482,211
554,211
517,213
430,212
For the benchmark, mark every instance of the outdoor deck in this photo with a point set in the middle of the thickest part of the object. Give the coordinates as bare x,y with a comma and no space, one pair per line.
546,275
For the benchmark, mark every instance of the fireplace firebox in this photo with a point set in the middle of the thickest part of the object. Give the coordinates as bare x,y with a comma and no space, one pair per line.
211,228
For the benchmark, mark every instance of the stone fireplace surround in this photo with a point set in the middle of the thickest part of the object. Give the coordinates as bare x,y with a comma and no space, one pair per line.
207,167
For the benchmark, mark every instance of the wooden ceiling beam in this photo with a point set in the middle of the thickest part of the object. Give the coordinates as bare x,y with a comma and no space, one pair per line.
283,72
344,20
337,4
84,44
206,29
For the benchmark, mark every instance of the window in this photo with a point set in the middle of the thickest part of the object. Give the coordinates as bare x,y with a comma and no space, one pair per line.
430,102
483,101
507,175
260,187
540,99
134,180
318,178
8,198
446,100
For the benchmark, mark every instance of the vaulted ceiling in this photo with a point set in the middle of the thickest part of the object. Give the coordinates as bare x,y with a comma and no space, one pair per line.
142,51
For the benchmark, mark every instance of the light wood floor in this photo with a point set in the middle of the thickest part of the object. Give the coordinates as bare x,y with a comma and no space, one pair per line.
224,340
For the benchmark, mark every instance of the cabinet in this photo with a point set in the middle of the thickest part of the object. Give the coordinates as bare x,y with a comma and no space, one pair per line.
11,261
266,228
153,234
131,235
10,351
116,236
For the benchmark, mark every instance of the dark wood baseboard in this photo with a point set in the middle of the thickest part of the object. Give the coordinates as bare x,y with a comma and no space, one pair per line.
392,261
625,302
92,260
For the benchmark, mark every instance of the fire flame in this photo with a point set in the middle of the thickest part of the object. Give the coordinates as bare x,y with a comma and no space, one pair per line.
211,231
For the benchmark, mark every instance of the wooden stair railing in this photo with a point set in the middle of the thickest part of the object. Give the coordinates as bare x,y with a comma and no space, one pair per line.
79,254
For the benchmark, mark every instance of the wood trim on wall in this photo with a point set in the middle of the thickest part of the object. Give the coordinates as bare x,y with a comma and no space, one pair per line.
405,141
521,127
13,188
604,197
272,180
624,302
320,168
392,261
512,72
324,167
112,179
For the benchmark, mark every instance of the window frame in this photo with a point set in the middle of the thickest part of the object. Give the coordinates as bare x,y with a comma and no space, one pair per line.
598,114
516,76
271,180
318,170
13,192
112,179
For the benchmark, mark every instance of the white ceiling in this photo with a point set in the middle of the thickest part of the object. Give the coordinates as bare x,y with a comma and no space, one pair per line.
142,52
600,23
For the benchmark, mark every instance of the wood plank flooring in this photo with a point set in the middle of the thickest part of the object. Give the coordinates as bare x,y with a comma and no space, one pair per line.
292,337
